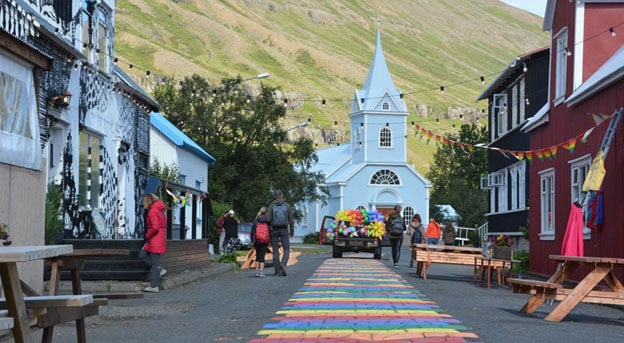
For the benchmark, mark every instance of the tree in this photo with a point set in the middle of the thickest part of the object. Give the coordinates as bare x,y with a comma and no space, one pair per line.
242,131
456,174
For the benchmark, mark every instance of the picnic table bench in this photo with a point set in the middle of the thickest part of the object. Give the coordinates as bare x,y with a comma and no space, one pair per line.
426,254
585,291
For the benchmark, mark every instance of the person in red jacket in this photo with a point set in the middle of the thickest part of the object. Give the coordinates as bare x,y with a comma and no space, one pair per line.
155,240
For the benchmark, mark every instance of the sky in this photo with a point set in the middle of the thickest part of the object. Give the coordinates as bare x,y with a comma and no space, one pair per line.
537,7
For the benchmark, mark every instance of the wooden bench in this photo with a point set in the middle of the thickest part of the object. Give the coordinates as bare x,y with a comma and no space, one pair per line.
48,301
427,254
555,291
534,286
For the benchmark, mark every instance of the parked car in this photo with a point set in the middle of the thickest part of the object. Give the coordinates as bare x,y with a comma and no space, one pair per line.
244,235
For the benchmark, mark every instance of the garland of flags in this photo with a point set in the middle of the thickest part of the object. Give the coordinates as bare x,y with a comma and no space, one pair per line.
549,153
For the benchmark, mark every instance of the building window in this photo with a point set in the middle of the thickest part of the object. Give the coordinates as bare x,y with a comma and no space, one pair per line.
89,177
523,101
361,207
517,184
385,106
514,105
579,169
502,194
561,65
198,184
385,138
183,179
385,177
500,114
358,138
408,213
102,42
547,204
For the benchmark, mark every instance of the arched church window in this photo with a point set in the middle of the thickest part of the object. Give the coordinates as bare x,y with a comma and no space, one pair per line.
385,177
360,208
385,138
385,106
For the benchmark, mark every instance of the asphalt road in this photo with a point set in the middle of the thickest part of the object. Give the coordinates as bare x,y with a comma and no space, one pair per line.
226,305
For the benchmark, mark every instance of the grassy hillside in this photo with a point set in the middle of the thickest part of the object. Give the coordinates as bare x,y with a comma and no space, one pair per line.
322,50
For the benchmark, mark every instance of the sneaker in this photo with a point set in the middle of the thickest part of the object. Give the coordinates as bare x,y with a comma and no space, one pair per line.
396,265
411,263
163,272
261,275
151,289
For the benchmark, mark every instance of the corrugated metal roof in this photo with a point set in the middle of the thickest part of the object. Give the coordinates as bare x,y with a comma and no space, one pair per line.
179,138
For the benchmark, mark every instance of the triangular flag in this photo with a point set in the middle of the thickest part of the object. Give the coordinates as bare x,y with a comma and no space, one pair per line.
546,153
539,154
438,138
501,151
520,155
598,118
553,150
470,147
452,142
586,134
569,145
529,155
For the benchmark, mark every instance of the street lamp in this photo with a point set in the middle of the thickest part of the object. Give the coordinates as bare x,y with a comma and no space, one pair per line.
259,76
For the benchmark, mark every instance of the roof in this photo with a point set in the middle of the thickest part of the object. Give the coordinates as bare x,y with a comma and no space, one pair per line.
538,119
449,212
179,138
139,91
549,15
379,82
513,70
611,71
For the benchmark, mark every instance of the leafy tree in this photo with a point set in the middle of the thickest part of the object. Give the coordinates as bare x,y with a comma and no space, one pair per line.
53,213
243,132
166,171
456,175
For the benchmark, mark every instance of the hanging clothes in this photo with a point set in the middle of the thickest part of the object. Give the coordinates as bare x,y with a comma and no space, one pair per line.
596,174
573,238
595,210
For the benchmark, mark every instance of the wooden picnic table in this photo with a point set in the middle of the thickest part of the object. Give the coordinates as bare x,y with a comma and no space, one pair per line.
75,261
16,305
486,264
584,291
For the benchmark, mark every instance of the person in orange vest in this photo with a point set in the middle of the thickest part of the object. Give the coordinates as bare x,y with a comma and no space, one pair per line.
433,232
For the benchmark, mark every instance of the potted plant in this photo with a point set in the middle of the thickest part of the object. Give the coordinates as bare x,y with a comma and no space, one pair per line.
4,234
501,247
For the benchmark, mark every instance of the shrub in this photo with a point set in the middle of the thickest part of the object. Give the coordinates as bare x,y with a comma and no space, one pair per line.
53,213
311,238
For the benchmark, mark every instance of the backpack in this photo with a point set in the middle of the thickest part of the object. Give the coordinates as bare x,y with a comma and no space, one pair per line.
262,233
280,215
397,227
417,236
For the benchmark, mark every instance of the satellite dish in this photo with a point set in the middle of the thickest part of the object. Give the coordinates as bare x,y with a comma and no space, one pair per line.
100,224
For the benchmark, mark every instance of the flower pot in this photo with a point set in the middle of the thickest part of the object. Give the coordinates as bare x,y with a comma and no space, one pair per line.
502,253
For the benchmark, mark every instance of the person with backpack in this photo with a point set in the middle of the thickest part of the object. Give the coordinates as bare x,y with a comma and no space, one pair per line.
260,238
230,226
395,226
416,234
280,215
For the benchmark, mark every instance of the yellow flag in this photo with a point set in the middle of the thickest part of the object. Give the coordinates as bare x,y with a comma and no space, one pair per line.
596,174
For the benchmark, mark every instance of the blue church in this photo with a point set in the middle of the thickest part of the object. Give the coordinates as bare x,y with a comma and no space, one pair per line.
371,171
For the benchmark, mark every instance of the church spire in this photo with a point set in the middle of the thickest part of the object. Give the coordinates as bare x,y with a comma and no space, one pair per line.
378,80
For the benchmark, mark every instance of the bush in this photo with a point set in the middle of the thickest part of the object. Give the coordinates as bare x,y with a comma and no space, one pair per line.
311,238
53,213
473,238
523,257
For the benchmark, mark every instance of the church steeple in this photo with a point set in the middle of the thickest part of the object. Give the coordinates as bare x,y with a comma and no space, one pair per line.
378,84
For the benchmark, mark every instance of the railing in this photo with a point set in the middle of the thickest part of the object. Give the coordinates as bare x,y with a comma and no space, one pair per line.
463,234
483,231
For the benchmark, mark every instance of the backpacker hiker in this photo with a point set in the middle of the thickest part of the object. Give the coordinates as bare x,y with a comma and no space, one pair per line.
280,216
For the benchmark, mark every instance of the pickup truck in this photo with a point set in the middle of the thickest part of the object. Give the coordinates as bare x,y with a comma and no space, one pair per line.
351,243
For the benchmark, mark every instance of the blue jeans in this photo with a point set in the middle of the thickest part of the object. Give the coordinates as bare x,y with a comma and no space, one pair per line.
278,235
153,261
432,241
395,244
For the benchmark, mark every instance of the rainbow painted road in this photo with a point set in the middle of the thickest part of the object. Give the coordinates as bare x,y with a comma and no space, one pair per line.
356,300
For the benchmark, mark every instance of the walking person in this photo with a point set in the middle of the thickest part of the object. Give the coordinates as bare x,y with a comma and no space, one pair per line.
221,232
155,240
416,234
230,226
260,237
448,233
280,215
395,226
433,232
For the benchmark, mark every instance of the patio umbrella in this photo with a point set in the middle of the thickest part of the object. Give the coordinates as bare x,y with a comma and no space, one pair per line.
573,238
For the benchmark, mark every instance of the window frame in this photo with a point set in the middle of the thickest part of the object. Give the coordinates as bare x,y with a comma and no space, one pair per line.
561,65
499,109
385,138
89,175
581,164
547,198
384,177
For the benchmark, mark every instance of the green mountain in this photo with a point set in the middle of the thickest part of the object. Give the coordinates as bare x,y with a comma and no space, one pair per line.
322,49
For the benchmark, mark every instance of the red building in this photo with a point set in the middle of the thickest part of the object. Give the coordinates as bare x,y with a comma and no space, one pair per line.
586,81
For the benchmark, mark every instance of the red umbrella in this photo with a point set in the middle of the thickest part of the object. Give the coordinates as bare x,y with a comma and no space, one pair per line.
573,238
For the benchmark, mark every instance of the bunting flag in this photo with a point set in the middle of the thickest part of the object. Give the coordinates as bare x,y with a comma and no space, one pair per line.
529,155
599,118
470,147
540,155
429,135
586,134
570,145
553,150
438,138
501,151
520,155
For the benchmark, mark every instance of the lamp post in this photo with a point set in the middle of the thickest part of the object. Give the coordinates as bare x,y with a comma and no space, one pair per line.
259,76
